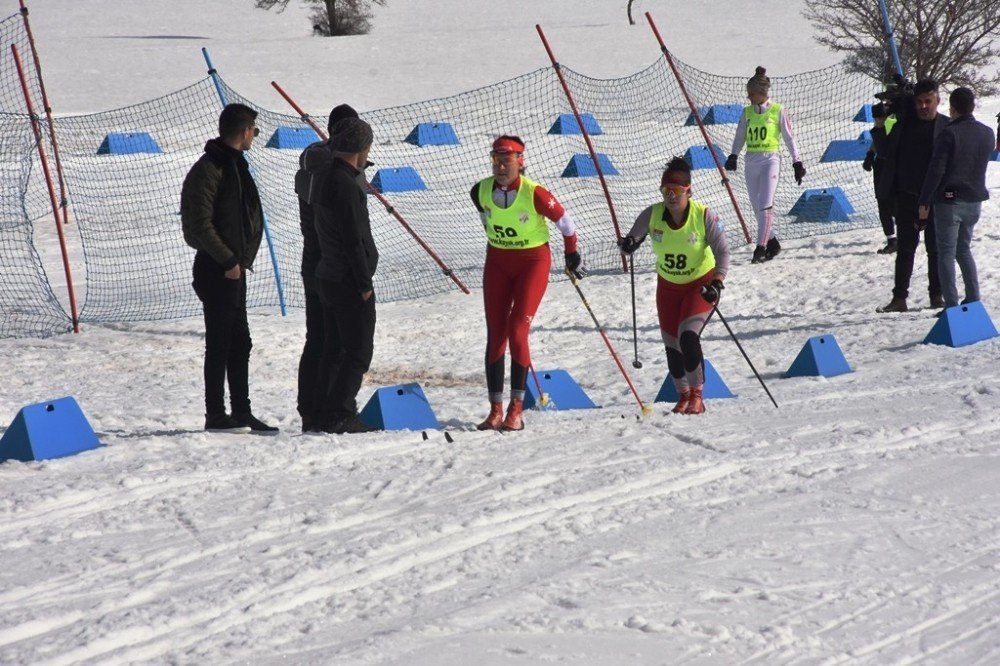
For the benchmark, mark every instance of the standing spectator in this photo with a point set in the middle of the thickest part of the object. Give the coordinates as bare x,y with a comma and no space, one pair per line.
956,186
515,212
314,163
760,126
692,259
907,151
223,220
876,164
347,263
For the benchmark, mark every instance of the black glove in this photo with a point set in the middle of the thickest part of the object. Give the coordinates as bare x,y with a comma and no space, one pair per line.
800,172
869,162
574,264
731,163
712,291
628,244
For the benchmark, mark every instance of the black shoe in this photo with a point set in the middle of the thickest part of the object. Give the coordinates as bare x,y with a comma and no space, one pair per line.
255,424
224,423
937,301
772,250
759,255
350,425
309,424
895,305
890,246
966,301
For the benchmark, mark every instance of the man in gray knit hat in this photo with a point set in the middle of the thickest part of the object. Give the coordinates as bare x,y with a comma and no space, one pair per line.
348,259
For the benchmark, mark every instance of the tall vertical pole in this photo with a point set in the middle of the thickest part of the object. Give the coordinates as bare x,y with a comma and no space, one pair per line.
267,229
64,198
586,138
701,126
37,129
887,27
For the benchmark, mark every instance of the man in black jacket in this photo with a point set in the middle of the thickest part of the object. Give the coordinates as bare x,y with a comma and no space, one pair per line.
907,151
348,259
956,186
223,220
314,164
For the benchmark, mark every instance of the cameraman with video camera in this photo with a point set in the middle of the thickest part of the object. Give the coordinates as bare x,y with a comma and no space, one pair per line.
907,152
876,164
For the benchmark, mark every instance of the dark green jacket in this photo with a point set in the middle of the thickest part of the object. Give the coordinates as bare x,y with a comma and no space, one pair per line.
220,207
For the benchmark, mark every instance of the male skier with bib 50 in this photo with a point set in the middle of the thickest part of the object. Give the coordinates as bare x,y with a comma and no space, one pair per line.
515,212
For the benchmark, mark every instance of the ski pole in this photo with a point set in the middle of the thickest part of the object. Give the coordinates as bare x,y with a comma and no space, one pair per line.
645,409
715,309
543,398
636,363
389,208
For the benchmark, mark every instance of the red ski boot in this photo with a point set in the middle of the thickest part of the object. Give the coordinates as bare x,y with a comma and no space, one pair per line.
514,421
495,419
695,404
682,404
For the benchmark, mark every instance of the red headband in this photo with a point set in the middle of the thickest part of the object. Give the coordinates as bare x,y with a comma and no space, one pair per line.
507,145
675,178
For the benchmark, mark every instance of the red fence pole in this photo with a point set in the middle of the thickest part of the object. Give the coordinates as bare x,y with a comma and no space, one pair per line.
586,138
701,126
64,198
306,118
36,127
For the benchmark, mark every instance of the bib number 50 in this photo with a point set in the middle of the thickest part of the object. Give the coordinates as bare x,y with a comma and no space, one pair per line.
509,232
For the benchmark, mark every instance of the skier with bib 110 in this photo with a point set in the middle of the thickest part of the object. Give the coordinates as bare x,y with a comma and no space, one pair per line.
759,127
515,212
692,259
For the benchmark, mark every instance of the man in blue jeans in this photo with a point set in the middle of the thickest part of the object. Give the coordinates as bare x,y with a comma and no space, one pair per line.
955,184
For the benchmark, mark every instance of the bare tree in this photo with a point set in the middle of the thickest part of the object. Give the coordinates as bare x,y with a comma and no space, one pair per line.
333,17
951,41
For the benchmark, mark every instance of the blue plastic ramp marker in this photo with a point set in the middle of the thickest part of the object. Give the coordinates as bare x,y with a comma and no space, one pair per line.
864,114
433,134
962,325
699,157
51,429
828,204
717,114
566,124
398,179
714,386
581,166
128,143
842,150
292,137
820,357
402,407
563,392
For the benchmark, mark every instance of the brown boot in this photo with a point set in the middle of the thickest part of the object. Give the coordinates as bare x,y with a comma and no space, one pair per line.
695,404
895,305
682,404
495,419
514,420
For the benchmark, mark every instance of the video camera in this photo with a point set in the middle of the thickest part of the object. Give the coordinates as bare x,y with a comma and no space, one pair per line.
892,99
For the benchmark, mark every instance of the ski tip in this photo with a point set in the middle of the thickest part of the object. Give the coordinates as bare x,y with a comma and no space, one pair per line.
448,438
423,434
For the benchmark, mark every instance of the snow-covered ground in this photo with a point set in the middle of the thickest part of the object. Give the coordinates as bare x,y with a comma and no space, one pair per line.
856,523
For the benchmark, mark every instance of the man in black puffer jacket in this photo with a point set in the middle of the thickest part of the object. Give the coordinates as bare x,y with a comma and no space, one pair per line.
223,220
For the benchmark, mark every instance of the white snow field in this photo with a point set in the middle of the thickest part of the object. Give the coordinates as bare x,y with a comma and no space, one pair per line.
855,524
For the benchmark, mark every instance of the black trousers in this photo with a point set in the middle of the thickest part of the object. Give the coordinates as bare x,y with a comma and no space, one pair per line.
227,336
312,351
885,206
908,240
348,346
